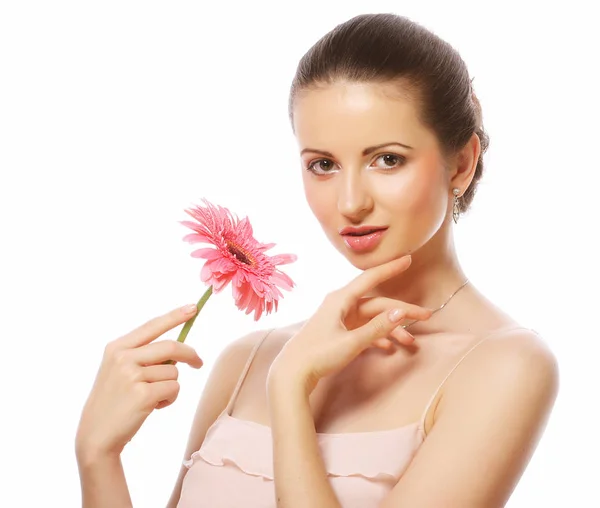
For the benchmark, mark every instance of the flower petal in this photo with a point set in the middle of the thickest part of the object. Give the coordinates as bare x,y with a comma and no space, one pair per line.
266,246
282,280
255,280
283,259
206,253
197,238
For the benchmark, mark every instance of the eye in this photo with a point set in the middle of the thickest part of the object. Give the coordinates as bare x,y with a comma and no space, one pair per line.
318,167
390,161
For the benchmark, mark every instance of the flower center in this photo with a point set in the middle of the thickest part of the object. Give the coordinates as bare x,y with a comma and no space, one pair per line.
240,254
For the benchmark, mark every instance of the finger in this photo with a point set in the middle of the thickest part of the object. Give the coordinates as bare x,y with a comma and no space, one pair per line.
370,307
385,344
154,328
156,373
164,393
372,277
379,327
398,336
402,336
159,352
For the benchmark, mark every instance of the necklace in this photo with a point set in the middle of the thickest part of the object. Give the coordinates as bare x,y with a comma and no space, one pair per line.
443,305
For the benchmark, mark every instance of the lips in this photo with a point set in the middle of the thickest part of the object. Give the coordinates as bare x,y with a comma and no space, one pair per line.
362,239
360,231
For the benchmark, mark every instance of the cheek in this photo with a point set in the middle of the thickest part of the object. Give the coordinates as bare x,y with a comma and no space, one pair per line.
419,201
425,196
318,199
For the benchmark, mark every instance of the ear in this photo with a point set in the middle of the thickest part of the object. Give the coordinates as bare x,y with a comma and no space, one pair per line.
466,164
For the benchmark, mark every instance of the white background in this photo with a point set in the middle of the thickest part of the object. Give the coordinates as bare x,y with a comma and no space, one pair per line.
115,116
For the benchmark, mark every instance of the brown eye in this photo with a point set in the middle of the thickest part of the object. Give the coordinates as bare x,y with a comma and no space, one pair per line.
390,161
320,166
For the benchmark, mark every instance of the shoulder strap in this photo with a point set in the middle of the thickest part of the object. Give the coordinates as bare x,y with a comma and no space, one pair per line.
486,336
245,372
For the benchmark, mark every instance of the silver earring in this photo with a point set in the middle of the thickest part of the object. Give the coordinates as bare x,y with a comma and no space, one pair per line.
455,208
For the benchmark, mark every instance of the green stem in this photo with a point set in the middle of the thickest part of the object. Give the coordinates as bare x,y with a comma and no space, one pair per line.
186,328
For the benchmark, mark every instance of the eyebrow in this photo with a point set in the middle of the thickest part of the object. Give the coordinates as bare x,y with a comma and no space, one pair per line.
366,151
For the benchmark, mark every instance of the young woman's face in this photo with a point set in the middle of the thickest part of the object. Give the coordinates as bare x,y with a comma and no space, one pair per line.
368,162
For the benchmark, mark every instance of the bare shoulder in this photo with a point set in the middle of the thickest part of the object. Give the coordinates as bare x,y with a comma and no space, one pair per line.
515,364
234,356
219,387
270,347
521,352
230,363
490,417
507,346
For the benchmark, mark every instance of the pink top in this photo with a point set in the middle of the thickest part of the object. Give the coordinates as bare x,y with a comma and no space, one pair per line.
233,468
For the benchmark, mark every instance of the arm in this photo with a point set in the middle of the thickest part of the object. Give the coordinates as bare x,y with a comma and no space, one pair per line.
102,478
215,396
299,471
485,432
323,346
102,481
126,390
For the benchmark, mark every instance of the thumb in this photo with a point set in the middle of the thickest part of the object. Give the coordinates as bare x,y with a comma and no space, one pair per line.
381,326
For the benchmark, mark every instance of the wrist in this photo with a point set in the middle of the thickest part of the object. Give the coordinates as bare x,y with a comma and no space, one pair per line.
90,455
289,384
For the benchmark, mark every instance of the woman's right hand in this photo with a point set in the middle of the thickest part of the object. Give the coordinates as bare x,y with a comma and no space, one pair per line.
132,381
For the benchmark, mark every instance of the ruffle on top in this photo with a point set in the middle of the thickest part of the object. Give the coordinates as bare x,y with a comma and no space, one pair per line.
247,446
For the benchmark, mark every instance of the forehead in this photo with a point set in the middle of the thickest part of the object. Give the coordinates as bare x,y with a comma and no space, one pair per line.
354,115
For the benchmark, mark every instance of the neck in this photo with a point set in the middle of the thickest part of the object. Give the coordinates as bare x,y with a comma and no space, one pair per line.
432,277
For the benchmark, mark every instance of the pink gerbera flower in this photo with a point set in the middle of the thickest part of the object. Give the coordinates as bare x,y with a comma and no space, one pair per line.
237,257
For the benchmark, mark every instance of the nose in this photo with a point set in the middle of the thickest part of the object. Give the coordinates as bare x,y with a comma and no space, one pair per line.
354,199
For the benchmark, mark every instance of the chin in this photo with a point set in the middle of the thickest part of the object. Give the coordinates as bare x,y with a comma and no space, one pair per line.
376,257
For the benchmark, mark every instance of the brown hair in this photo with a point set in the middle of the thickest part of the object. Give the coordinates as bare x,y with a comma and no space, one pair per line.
386,48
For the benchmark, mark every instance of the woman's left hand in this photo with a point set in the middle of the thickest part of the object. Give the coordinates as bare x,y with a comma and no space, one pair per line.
326,343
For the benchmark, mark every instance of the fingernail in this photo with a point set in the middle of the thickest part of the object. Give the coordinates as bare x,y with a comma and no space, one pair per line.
395,315
190,309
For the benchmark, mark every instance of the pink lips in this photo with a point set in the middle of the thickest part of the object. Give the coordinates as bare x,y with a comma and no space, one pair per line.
362,239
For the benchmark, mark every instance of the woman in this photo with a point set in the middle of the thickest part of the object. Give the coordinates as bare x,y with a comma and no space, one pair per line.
407,387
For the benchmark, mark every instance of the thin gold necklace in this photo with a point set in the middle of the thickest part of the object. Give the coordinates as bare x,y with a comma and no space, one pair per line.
443,305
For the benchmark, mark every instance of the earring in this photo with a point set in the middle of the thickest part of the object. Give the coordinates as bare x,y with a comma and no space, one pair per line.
455,208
